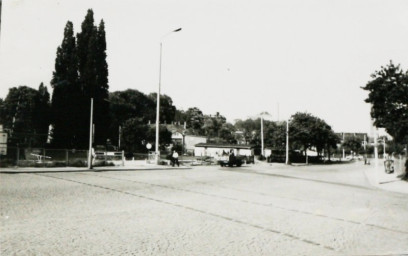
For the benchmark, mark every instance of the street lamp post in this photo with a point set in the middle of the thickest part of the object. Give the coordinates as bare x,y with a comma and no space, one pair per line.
157,152
287,142
384,154
262,138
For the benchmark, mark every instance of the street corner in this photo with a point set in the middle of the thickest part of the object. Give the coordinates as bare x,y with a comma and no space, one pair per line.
399,186
394,182
94,169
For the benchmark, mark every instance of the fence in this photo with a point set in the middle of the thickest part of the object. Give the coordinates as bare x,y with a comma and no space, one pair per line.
42,157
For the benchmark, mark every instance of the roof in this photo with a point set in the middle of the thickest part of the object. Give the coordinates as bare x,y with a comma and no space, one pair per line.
209,145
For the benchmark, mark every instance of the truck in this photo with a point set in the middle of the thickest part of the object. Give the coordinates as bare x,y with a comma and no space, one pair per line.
230,160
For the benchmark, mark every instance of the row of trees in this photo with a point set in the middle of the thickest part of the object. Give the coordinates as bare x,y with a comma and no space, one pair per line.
81,73
27,111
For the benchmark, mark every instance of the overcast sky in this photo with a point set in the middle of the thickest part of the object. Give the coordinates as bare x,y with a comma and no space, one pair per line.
236,57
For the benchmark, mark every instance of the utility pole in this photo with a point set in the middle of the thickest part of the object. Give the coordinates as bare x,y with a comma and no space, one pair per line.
287,142
90,137
262,138
120,131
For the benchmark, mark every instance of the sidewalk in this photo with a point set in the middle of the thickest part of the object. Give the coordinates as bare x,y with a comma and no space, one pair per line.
353,173
391,182
133,167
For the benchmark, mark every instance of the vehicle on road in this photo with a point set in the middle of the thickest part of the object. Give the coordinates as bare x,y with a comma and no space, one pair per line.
230,160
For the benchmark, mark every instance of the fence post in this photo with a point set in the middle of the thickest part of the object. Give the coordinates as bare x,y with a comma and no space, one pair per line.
123,158
66,157
43,150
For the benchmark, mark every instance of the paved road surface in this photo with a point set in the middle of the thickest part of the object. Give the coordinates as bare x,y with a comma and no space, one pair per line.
253,210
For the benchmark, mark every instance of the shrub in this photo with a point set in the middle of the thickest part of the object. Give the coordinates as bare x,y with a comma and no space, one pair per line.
261,158
103,163
6,162
77,163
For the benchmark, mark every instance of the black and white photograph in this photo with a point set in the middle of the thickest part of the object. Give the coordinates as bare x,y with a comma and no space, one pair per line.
204,127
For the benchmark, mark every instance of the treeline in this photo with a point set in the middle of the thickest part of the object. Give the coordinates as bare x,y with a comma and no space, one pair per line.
27,113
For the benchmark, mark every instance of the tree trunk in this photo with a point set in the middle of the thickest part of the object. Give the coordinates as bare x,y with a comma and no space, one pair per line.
328,153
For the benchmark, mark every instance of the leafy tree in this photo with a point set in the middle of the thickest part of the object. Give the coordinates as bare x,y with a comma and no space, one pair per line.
213,124
276,135
132,103
331,142
136,134
1,111
307,131
128,104
195,121
299,130
226,133
164,136
20,115
180,116
323,137
352,144
167,109
271,130
251,130
388,96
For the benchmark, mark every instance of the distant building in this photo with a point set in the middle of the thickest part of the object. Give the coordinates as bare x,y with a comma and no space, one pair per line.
180,136
345,135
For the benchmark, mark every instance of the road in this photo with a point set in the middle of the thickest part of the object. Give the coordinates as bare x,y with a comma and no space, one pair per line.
208,210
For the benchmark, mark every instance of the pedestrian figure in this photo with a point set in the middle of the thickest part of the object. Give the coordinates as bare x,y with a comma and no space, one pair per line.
93,154
175,158
231,156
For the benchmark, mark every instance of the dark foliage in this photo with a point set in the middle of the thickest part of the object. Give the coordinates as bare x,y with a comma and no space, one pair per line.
81,73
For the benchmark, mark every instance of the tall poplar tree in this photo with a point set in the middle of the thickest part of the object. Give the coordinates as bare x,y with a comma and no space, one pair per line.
66,93
101,93
81,73
93,77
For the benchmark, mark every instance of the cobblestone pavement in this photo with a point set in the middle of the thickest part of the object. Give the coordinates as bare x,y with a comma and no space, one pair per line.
253,210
